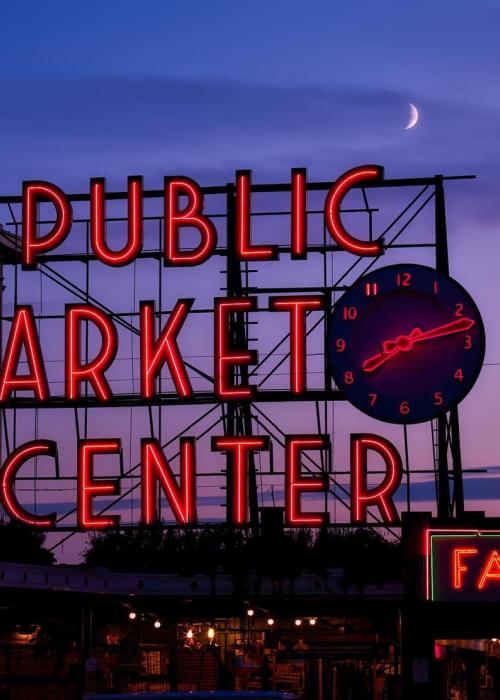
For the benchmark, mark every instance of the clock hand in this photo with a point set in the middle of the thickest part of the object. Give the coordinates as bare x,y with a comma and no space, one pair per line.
417,335
404,343
376,361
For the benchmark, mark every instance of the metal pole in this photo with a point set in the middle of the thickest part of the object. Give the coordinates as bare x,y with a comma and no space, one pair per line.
230,408
448,429
456,457
239,415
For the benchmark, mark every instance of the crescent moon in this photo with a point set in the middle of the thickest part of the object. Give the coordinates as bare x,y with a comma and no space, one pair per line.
413,116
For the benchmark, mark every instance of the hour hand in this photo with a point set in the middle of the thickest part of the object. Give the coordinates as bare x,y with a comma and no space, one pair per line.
373,363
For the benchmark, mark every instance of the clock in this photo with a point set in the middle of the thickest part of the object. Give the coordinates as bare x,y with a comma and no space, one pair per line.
405,343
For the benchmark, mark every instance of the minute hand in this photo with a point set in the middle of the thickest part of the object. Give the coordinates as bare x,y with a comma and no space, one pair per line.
404,343
458,326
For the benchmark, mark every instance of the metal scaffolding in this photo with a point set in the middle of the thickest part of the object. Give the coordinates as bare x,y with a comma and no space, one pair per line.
388,209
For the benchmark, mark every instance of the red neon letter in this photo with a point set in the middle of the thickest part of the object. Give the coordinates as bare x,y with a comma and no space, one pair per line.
8,474
155,468
32,245
296,484
225,358
93,372
299,214
381,496
98,217
23,335
89,488
242,245
190,216
457,567
332,210
155,353
297,307
239,448
491,570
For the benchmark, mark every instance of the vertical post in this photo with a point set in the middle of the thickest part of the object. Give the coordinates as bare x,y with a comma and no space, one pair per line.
444,504
448,429
442,262
320,679
456,457
442,266
239,416
230,286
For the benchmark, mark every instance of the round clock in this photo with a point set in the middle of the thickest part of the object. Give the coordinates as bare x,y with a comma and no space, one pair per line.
405,343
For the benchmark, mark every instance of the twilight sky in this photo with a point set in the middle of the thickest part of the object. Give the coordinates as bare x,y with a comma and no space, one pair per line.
202,88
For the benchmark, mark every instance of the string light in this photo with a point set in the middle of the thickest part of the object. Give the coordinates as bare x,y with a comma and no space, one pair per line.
298,622
157,624
211,633
250,612
132,615
312,621
270,622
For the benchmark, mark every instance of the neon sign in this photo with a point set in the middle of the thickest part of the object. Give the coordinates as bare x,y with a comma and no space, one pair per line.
181,494
463,565
178,218
358,361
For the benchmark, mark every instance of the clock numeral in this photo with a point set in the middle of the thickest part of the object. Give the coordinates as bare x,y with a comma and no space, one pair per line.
404,408
459,375
350,313
459,309
468,342
349,377
372,398
371,289
438,398
340,345
403,279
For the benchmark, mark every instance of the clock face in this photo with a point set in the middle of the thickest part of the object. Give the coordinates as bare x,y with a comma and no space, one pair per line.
405,343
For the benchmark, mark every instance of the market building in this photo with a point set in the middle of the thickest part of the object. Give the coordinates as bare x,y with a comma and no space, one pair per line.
313,636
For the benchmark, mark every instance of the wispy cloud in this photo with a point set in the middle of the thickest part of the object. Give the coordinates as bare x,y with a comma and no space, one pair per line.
73,129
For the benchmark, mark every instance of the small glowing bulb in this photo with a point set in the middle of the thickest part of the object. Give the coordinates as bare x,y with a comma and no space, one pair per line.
250,612
132,615
298,622
189,634
211,633
312,621
157,624
270,622
494,639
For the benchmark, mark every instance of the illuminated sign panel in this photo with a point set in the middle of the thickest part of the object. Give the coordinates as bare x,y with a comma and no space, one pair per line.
463,565
386,336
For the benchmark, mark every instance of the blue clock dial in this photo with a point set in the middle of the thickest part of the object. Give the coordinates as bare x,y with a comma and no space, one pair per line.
405,343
